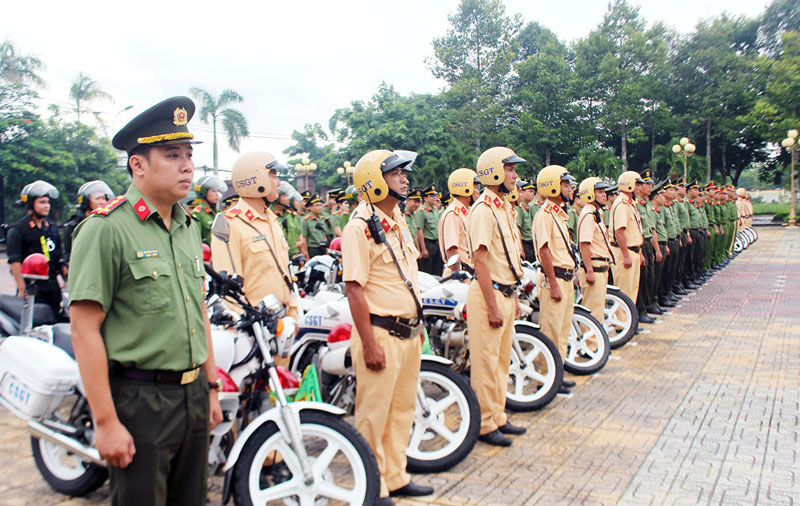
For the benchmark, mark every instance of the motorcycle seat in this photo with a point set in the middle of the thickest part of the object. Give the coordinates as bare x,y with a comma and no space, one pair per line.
12,306
62,338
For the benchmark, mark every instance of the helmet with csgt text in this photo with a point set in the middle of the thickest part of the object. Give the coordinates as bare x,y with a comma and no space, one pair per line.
548,182
368,176
461,182
627,181
588,186
491,162
250,174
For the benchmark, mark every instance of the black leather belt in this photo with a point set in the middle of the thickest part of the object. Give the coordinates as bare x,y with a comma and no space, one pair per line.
507,290
600,259
662,243
635,249
155,376
600,268
467,268
397,327
565,274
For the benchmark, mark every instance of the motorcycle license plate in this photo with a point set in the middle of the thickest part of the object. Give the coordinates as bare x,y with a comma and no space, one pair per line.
16,393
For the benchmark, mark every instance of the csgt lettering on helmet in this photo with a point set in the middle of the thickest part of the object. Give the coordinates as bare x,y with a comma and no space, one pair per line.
485,172
242,183
459,184
545,184
366,186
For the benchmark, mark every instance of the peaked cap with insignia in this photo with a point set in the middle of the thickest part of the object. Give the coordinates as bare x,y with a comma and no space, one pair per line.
415,194
647,176
430,191
164,123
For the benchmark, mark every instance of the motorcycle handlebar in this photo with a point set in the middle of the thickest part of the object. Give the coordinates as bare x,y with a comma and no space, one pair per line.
225,284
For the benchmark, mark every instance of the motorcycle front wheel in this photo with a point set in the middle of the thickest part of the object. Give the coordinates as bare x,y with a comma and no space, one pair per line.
588,348
533,377
344,469
621,318
446,429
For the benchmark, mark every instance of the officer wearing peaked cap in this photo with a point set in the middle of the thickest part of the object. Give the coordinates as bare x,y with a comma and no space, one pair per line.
428,224
139,323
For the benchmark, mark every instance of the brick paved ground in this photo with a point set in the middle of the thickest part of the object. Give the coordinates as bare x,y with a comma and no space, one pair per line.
705,408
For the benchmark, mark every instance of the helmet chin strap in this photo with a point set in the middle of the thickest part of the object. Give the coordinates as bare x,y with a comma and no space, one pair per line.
396,195
503,189
39,215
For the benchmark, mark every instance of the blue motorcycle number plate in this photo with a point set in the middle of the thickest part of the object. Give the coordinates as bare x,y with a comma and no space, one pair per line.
313,320
439,302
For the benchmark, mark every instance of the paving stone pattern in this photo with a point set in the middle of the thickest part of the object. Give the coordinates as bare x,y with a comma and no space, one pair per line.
702,409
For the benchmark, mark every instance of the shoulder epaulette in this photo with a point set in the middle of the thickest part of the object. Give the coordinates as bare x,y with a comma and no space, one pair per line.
197,209
233,212
110,206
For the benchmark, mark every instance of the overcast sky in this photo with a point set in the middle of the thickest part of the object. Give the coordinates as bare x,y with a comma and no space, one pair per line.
294,62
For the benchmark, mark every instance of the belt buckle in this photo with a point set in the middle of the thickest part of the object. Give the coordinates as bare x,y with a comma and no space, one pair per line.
189,376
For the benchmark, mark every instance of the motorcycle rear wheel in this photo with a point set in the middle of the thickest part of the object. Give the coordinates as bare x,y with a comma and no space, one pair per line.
65,472
621,318
535,383
588,348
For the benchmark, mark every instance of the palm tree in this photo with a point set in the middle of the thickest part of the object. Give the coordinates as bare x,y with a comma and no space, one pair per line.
19,69
85,89
233,121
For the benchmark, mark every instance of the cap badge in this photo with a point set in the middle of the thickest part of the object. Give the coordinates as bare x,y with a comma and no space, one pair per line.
180,116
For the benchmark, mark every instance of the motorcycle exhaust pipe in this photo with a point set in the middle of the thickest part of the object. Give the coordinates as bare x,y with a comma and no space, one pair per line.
86,453
337,361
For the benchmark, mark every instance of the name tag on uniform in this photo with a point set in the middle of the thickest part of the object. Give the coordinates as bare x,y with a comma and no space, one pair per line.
259,238
147,253
406,235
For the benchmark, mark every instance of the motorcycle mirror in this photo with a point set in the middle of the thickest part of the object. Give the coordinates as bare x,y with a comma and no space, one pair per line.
453,260
220,228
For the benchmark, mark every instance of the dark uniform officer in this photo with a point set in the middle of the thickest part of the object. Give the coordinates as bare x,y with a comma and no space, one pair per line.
139,325
35,234
91,195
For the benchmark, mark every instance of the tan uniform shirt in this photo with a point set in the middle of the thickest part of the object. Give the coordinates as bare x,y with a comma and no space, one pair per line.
484,231
453,231
370,264
547,223
589,230
624,214
250,255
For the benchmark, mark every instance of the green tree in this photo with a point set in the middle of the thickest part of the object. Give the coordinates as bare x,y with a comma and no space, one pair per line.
474,58
19,69
213,108
85,89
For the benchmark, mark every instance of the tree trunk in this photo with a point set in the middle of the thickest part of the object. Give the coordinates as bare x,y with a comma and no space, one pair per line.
216,155
724,169
624,143
547,155
708,150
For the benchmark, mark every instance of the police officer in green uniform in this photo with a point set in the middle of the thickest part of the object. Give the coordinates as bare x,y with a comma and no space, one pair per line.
525,219
657,215
209,189
694,274
647,269
428,223
314,227
288,218
686,240
346,200
139,324
665,295
413,203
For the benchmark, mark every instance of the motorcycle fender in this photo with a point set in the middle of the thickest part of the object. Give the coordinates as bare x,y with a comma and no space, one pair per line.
436,358
523,323
612,287
583,307
274,415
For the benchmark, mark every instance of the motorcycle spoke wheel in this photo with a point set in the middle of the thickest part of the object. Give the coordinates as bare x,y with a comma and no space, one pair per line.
269,471
620,318
533,376
588,347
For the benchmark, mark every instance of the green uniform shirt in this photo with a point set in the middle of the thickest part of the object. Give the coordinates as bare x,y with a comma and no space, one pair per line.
709,209
525,221
660,222
411,221
671,221
647,223
733,212
290,225
204,216
534,206
345,218
149,282
694,214
428,221
315,230
572,223
681,209
701,210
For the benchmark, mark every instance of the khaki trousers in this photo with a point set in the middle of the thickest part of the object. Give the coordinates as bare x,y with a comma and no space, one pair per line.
594,296
385,402
555,318
490,355
627,280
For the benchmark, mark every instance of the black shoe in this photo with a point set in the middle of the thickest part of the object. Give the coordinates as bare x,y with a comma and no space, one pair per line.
495,438
413,490
674,297
688,285
384,501
564,389
655,310
646,318
568,383
666,303
679,291
512,429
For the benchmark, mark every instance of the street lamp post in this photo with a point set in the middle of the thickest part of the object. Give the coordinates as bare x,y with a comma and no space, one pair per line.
685,149
790,143
305,167
346,169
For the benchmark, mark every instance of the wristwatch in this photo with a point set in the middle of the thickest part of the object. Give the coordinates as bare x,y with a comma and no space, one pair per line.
215,385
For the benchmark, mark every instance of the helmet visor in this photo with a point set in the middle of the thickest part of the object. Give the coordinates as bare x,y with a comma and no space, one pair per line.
395,161
514,159
276,165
